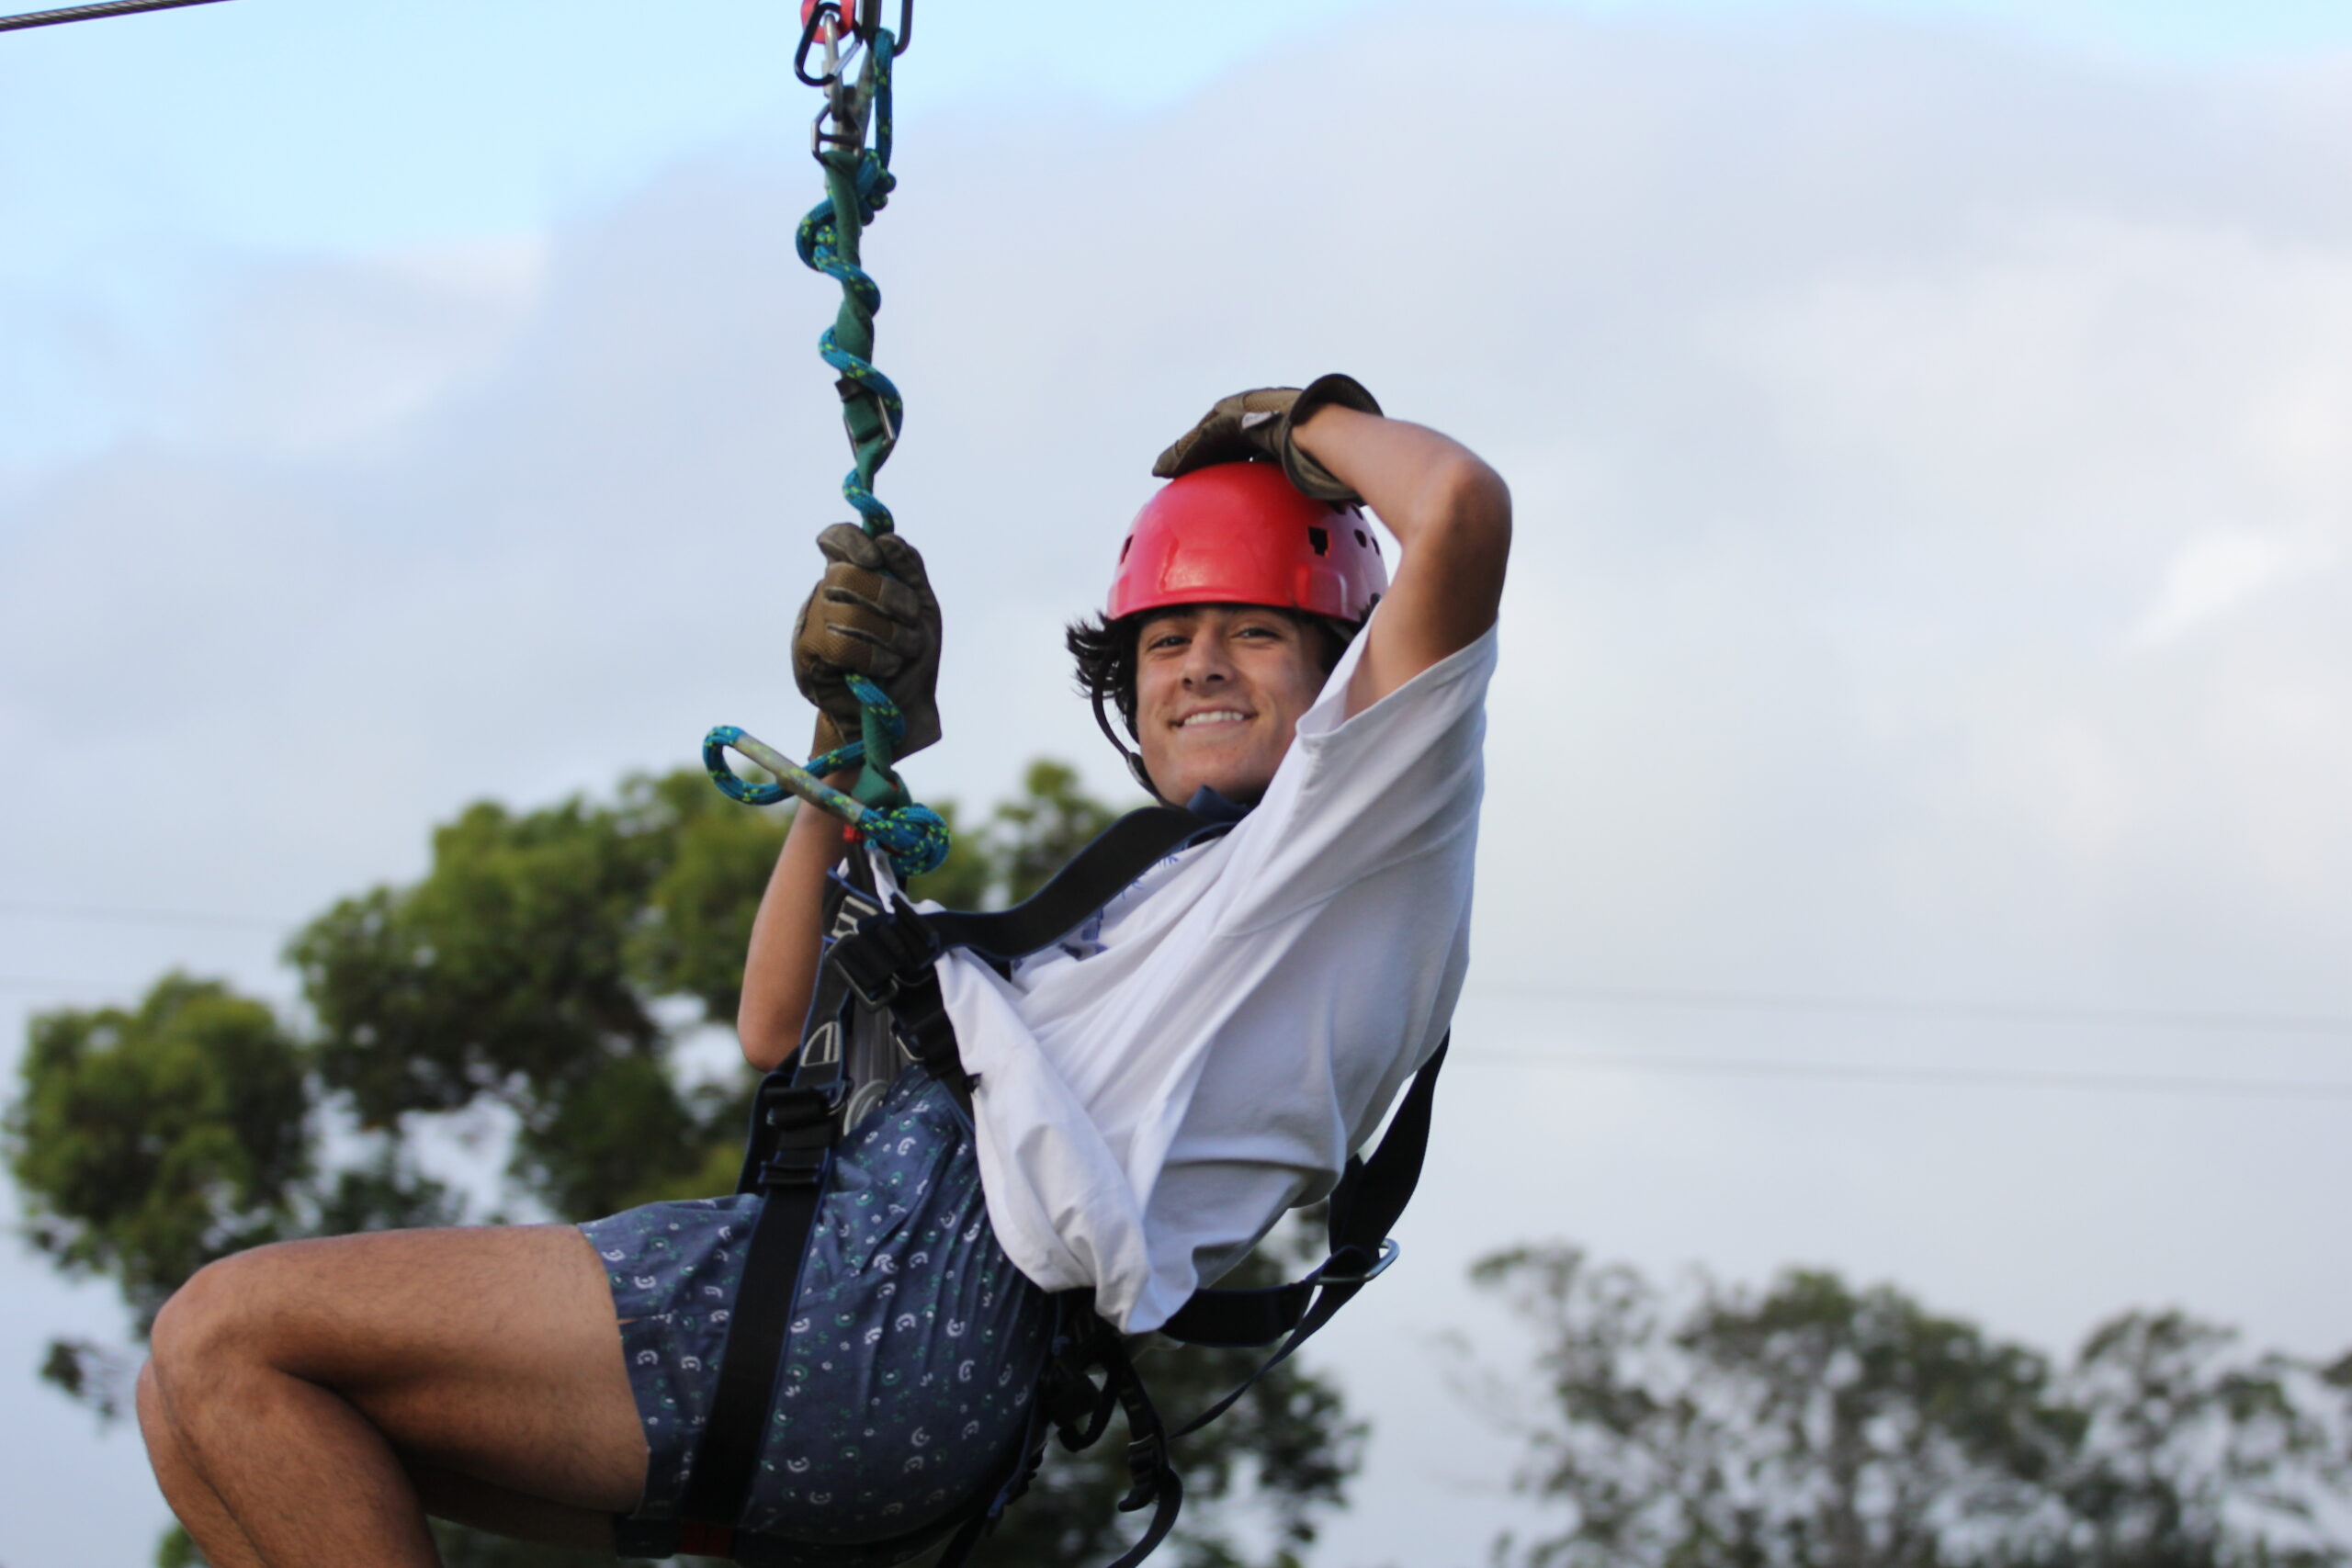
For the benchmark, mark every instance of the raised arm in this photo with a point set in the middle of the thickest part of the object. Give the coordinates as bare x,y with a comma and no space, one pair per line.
874,614
1449,511
780,970
1451,515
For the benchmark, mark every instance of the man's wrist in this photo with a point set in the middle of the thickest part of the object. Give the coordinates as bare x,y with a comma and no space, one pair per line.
1302,461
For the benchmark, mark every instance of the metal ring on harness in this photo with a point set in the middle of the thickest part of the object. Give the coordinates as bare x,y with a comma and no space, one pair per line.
1327,1275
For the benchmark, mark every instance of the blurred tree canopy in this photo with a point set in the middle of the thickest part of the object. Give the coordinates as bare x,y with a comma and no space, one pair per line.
1815,1426
547,968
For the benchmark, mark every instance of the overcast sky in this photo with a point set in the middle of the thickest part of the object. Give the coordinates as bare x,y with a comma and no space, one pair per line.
1931,432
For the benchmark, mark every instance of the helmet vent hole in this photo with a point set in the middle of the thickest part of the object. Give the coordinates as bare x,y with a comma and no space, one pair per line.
1321,539
1363,538
1124,546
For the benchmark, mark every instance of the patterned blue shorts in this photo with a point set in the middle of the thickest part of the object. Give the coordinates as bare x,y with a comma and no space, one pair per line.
914,1348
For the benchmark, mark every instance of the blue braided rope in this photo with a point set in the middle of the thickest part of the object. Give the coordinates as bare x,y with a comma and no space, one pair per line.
819,243
858,183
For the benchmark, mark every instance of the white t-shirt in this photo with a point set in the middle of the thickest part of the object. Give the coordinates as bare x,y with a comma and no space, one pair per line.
1157,1089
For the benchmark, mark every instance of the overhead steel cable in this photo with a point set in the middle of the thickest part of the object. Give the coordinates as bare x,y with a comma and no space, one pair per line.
92,13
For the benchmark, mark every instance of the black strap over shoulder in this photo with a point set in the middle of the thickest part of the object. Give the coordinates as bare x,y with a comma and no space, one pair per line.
891,960
1095,876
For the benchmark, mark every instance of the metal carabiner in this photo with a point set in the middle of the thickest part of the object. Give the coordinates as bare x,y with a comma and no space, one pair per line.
791,778
812,19
857,19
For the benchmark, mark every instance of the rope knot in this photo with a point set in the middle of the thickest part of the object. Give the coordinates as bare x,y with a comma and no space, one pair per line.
913,837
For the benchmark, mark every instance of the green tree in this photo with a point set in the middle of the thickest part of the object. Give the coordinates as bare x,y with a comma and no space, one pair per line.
548,965
1815,1426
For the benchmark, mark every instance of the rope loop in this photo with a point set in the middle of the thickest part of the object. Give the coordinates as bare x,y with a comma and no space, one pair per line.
913,836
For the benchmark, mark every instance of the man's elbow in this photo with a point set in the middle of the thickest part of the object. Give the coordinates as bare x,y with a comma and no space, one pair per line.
1481,497
1469,517
1469,500
764,1047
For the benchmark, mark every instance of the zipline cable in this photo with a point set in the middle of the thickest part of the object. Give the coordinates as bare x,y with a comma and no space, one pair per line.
92,13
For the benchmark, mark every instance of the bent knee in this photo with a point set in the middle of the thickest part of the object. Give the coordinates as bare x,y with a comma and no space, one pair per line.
216,1318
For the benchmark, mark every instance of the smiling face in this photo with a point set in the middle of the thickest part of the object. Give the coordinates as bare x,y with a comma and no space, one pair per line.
1219,689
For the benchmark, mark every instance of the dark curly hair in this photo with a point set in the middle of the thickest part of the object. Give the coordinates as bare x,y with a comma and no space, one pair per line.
1105,654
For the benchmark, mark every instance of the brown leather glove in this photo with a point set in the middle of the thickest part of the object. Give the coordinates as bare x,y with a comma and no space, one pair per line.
1257,424
872,614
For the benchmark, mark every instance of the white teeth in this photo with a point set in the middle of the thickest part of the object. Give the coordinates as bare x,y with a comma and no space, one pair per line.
1212,715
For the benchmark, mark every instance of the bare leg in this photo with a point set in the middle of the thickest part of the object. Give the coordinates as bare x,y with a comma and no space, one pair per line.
324,1390
192,1498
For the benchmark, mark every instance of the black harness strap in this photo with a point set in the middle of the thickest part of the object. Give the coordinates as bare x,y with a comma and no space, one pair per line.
892,959
795,1124
1095,877
1364,1207
887,962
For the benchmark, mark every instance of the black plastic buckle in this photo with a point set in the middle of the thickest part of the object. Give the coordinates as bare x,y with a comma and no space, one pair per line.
797,1123
888,952
793,1168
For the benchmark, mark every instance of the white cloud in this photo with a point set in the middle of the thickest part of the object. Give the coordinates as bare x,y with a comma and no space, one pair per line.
1929,456
2217,574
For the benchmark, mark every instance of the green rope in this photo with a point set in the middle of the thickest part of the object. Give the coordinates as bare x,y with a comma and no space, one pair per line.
857,183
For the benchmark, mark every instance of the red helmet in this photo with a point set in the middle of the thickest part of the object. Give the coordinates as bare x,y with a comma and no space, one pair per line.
1241,533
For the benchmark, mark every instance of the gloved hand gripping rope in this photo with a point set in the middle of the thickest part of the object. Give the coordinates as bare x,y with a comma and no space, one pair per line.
872,618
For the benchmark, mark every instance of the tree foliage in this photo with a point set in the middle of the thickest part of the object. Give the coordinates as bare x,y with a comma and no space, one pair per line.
547,967
151,1142
1816,1426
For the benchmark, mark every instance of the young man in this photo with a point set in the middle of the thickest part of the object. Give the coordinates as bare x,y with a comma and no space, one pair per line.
1152,1093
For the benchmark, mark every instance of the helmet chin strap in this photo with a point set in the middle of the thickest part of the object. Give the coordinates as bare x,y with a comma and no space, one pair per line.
1134,759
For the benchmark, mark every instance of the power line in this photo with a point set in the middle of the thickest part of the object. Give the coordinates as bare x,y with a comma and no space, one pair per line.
1901,1007
36,985
1955,1077
1737,1066
1691,996
142,917
29,983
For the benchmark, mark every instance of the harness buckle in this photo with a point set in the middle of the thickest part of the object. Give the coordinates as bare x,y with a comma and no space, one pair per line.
888,952
1329,1274
796,1122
